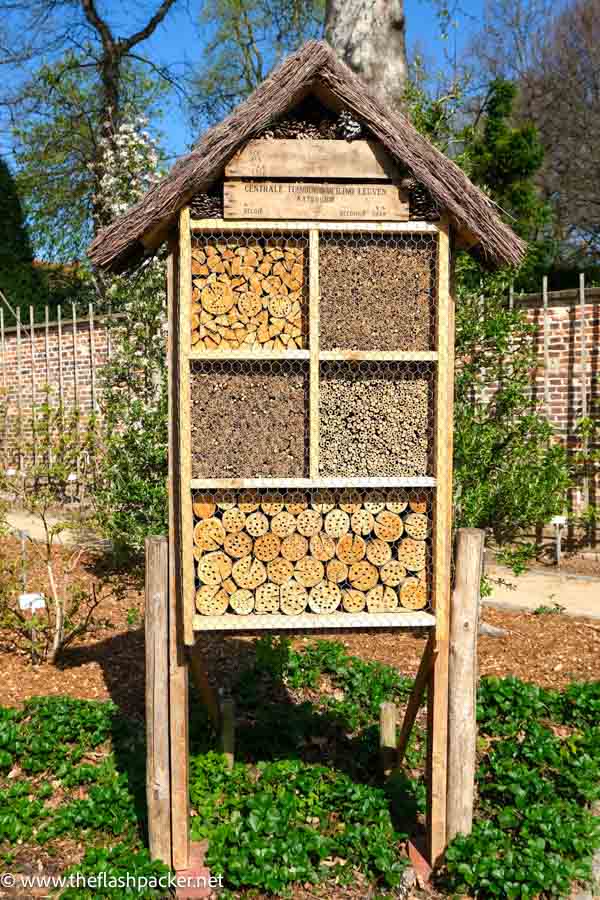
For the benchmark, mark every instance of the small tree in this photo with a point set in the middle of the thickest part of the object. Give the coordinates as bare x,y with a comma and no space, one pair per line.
511,474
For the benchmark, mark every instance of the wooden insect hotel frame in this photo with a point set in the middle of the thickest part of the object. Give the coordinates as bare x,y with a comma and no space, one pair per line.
311,364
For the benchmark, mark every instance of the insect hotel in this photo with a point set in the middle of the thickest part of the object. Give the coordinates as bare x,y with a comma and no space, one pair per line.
311,358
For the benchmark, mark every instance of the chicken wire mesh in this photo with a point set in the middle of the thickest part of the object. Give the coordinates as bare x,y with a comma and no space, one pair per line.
249,291
377,291
312,552
249,418
376,419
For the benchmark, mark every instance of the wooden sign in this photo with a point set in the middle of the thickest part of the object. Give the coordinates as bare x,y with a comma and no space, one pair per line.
314,200
312,159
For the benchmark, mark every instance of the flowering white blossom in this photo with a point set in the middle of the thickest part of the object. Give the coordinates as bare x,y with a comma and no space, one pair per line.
127,166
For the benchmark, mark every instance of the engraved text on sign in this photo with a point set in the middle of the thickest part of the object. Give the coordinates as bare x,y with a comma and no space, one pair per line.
314,200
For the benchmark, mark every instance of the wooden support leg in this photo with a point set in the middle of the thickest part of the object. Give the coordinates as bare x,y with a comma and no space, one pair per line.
158,769
206,691
462,725
388,720
414,701
228,731
179,734
437,752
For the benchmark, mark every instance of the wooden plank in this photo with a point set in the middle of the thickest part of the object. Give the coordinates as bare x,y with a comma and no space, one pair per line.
416,697
584,385
158,769
388,720
251,355
444,403
314,200
178,673
314,344
92,356
546,338
185,435
202,484
3,347
75,372
379,355
33,393
61,384
19,389
314,621
228,732
312,159
410,227
462,679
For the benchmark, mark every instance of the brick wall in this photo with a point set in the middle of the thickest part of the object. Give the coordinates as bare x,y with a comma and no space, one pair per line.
566,382
66,356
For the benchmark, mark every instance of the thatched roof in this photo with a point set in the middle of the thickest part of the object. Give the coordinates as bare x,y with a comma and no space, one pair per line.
312,69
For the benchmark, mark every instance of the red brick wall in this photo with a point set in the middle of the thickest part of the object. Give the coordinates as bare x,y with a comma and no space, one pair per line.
67,358
573,364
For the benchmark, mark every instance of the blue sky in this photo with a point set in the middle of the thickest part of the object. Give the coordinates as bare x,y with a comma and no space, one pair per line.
177,41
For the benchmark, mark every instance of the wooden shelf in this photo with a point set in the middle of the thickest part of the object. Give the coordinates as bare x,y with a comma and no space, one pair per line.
316,483
243,356
259,225
314,622
378,355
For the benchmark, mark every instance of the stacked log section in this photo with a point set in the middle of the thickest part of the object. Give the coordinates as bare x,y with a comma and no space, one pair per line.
375,422
377,294
250,297
294,552
261,552
249,419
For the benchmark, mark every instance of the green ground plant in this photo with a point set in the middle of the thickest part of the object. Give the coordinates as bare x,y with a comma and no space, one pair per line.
303,802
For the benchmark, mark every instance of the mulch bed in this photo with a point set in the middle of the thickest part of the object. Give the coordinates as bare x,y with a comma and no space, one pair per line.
550,650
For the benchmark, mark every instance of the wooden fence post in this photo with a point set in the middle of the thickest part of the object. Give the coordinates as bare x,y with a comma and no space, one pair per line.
388,720
158,770
462,725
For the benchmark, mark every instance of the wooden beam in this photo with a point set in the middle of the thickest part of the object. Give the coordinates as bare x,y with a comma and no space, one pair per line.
178,673
205,690
388,720
312,159
314,344
462,724
158,770
410,227
185,433
416,698
438,689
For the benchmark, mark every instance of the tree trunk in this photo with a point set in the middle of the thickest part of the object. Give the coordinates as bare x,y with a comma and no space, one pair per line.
369,35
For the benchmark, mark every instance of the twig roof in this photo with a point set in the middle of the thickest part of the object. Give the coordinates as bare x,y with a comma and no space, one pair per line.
313,68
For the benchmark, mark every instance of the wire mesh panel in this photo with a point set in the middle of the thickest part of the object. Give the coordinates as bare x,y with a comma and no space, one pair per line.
312,552
249,419
376,419
377,291
250,291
